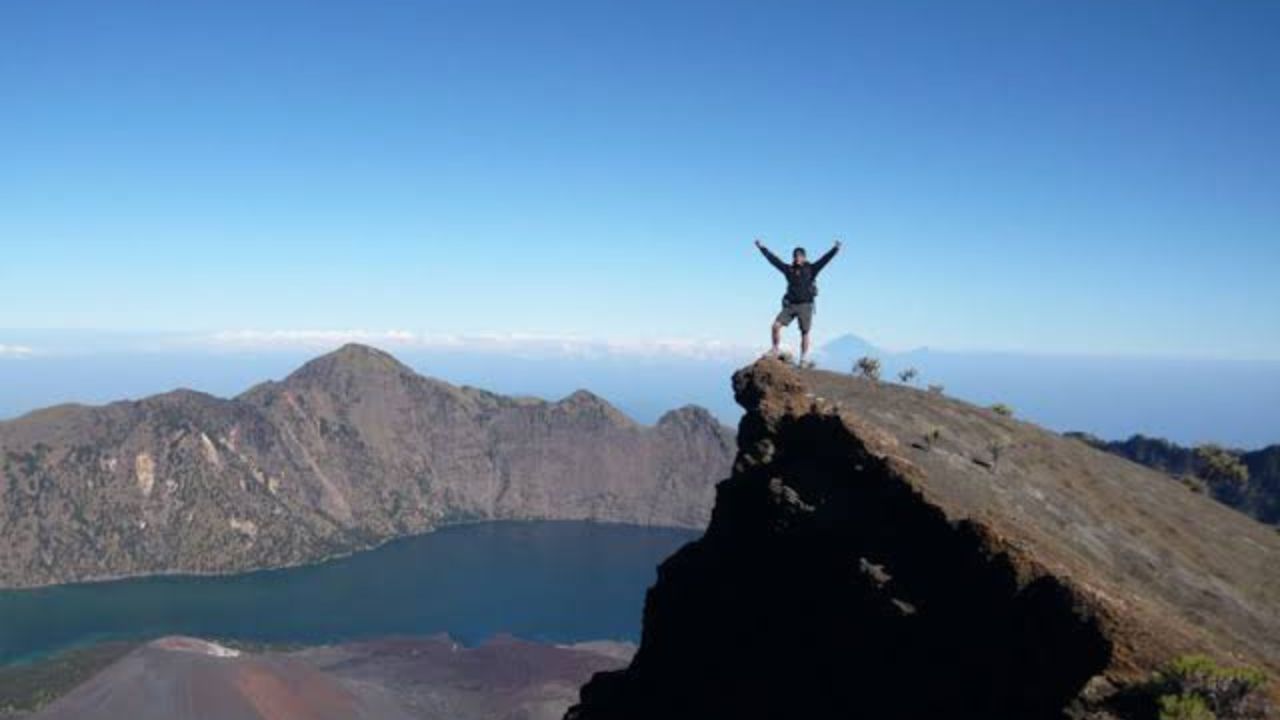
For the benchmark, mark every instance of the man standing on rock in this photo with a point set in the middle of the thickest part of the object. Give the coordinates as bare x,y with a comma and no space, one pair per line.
802,289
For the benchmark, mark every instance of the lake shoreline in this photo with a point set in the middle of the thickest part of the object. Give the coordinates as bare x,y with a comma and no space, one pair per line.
557,582
107,579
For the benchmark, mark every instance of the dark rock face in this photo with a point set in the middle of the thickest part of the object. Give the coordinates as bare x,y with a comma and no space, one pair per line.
1260,496
351,449
846,573
1263,491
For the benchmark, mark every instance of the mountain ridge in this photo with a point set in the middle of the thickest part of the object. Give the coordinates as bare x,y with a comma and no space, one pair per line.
1257,495
882,551
351,449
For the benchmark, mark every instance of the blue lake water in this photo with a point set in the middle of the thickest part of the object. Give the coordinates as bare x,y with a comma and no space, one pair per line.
548,581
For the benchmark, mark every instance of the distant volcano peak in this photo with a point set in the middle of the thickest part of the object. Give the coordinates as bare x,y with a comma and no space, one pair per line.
352,360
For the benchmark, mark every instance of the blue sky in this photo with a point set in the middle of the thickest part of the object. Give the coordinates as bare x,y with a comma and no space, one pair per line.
1087,176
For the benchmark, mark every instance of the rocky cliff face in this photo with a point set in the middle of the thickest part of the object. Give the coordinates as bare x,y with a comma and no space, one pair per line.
883,552
350,450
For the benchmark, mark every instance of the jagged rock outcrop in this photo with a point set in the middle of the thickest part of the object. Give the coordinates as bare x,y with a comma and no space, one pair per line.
883,552
350,450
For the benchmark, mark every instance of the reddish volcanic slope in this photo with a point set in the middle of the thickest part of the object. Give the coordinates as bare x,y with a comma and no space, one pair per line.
183,678
179,678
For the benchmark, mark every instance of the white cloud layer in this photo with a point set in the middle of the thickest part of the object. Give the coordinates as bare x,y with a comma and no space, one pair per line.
497,343
15,351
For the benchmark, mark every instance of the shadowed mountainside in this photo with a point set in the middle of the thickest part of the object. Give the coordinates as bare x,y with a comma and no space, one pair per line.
350,450
884,552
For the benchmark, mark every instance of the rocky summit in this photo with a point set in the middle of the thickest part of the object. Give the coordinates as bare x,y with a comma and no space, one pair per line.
350,450
884,552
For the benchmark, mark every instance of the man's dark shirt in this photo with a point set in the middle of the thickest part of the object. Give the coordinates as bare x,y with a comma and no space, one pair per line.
801,279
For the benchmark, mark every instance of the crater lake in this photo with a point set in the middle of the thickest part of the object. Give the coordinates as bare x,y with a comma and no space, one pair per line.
557,582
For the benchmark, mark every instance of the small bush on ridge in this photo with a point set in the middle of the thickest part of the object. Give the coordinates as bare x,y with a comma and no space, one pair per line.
1194,687
867,367
1002,410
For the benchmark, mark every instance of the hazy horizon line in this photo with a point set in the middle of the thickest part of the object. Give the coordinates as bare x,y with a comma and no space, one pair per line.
550,344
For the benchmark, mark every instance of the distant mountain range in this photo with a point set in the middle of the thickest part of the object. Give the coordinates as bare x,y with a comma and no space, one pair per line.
350,450
1258,496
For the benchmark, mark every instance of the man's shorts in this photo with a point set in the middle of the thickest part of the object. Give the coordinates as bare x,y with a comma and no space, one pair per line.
793,311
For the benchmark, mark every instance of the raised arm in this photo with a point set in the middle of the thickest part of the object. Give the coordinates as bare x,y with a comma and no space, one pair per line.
826,258
773,259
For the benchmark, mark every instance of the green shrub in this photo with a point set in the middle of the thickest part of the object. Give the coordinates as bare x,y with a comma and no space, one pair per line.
1195,485
997,449
1220,467
1184,707
906,376
867,367
1002,410
1194,687
931,437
